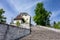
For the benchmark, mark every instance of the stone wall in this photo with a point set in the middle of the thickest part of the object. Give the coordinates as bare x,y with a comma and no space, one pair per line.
27,26
9,32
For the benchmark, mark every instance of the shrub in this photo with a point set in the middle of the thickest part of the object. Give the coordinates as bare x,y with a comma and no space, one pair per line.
57,25
18,23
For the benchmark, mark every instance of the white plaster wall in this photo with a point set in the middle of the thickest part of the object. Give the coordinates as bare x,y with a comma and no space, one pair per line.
17,20
27,26
26,18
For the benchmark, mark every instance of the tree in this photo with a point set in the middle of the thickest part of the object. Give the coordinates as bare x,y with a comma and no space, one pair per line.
41,15
54,22
18,23
57,25
2,18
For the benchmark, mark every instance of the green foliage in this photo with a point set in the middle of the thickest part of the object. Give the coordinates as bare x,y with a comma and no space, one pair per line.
2,18
57,25
18,23
41,15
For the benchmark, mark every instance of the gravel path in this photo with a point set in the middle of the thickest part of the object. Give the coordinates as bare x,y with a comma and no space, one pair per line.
42,34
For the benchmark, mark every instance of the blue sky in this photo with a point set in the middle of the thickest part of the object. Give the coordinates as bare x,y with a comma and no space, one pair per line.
14,7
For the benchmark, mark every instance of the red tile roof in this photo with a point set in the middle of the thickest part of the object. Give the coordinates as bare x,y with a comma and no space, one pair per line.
19,17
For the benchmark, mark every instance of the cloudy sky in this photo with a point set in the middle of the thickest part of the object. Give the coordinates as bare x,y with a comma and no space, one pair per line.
13,7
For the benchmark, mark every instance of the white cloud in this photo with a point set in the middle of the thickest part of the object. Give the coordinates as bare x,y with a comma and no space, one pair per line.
7,13
55,13
55,16
23,5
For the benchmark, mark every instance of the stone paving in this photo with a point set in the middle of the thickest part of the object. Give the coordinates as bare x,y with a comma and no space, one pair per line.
38,33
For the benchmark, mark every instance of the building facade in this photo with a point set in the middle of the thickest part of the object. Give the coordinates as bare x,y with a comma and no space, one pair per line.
22,18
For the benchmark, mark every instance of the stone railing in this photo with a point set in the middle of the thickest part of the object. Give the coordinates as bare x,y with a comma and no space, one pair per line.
49,28
9,32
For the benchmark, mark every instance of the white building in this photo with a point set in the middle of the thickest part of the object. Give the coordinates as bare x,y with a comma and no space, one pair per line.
22,18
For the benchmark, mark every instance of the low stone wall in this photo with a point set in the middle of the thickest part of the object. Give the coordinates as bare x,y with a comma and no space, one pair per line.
49,28
27,26
9,32
41,33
